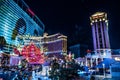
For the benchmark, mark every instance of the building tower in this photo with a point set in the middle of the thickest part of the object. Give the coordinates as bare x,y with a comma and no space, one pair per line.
99,25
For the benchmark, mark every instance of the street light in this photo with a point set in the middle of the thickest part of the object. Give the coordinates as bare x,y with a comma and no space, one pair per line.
104,70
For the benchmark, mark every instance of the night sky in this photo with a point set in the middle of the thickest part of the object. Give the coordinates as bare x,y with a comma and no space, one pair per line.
71,18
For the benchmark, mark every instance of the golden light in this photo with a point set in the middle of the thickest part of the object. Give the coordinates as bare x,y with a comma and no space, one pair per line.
117,58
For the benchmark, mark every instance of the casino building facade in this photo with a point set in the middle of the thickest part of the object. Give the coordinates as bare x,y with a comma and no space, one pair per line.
16,18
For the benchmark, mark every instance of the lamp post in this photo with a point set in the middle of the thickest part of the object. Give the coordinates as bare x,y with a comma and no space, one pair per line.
104,70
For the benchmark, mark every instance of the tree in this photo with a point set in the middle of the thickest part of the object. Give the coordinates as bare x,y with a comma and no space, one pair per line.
32,54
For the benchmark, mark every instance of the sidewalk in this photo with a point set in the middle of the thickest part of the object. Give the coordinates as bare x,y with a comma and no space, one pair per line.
41,77
102,77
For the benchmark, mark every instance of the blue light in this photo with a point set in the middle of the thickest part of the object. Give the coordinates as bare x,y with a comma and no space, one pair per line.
14,20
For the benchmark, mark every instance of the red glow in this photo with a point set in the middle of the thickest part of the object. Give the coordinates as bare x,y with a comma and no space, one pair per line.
88,51
31,12
16,51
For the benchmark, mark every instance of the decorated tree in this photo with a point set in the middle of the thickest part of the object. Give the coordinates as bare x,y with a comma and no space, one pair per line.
32,54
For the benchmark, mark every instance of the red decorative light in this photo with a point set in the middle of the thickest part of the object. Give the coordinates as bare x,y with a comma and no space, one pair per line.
31,12
32,54
16,51
88,51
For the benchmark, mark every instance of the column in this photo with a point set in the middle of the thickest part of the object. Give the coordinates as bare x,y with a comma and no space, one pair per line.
98,42
96,61
101,28
94,37
91,62
86,61
0,61
106,35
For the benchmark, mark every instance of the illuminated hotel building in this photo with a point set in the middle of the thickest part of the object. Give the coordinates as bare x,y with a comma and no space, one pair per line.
54,44
99,24
16,18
